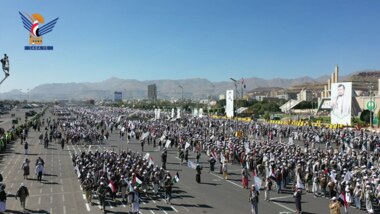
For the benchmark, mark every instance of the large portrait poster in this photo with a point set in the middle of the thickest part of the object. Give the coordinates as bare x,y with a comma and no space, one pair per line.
341,99
230,103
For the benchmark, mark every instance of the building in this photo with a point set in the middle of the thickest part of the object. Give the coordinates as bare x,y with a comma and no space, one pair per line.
118,96
304,95
152,92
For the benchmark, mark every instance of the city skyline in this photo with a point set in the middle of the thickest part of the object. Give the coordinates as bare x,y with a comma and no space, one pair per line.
216,40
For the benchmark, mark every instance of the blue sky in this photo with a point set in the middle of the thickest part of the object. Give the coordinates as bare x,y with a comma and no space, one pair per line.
175,39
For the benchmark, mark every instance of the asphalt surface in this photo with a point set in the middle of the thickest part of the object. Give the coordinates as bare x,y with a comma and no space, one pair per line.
60,190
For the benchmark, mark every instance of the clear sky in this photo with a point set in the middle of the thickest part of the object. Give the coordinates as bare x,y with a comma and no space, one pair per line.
174,39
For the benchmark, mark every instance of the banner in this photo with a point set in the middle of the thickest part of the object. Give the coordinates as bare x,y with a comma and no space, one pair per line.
172,113
230,103
178,113
341,98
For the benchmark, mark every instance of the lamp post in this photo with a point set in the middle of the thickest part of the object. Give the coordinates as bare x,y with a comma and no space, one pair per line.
235,103
370,87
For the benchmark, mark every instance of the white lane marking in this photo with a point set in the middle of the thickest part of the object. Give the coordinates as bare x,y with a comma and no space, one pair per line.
40,191
174,209
151,211
163,211
285,207
63,198
62,189
88,207
281,205
39,200
51,210
51,199
51,189
288,196
186,209
64,209
227,180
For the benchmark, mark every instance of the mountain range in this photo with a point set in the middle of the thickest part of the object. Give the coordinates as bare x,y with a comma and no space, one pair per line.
196,88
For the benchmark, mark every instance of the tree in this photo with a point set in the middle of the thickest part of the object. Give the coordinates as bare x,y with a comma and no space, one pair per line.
366,116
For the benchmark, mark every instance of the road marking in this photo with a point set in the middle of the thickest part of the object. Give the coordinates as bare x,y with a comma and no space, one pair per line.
63,198
88,207
51,189
285,207
64,209
41,191
174,209
51,210
288,196
227,180
186,209
39,200
84,196
57,193
163,211
151,211
62,189
51,199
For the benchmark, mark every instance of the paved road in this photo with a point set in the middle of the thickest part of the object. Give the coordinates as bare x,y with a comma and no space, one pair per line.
60,190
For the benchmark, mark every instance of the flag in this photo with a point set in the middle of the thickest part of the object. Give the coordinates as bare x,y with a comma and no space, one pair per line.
213,153
146,134
192,165
137,181
150,162
146,156
167,143
111,185
187,145
258,183
343,197
176,178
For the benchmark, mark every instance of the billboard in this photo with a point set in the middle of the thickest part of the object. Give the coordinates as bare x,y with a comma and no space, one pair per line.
118,95
230,103
341,102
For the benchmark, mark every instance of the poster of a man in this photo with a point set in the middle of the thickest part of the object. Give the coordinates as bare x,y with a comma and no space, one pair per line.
230,103
341,97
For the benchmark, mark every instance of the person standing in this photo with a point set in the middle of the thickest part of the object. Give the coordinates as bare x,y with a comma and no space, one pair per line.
244,177
198,168
26,147
22,193
39,171
254,200
136,201
268,187
26,168
357,195
225,170
62,143
212,162
102,191
334,206
298,196
3,198
168,189
164,157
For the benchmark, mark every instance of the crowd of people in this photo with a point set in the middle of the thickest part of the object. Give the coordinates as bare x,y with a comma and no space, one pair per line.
339,164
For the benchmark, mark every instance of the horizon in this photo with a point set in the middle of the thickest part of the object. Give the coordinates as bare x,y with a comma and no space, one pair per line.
168,40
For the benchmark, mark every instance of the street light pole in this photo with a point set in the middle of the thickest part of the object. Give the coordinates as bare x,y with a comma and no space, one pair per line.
370,86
